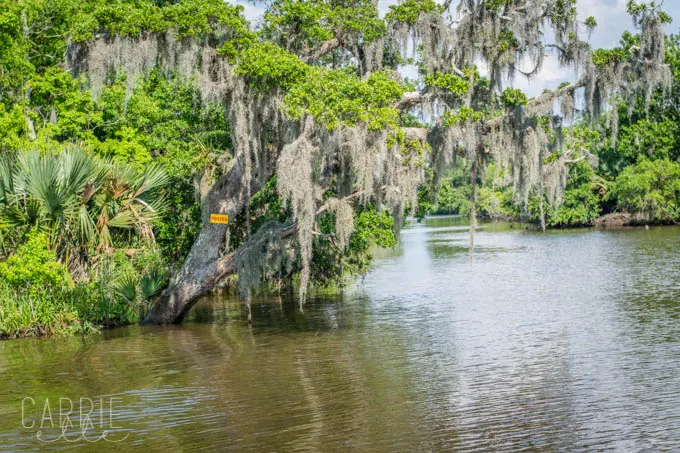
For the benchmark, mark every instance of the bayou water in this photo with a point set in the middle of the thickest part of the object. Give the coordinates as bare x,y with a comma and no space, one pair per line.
568,340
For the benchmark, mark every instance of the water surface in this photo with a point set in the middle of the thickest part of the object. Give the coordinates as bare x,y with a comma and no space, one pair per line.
568,340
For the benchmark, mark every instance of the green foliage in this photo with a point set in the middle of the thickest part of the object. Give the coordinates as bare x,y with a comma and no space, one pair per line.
495,203
628,44
638,8
34,33
79,199
507,41
308,18
13,130
453,200
408,11
163,121
582,198
563,11
425,204
195,18
452,83
339,97
650,190
123,288
372,228
495,5
62,111
513,97
454,191
461,115
646,130
35,292
267,66
33,268
44,313
13,49
605,57
590,22
408,147
265,207
300,25
166,120
649,139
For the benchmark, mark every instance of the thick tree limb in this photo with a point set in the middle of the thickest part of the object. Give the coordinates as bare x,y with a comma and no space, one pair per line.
411,98
204,269
200,270
546,97
322,50
568,89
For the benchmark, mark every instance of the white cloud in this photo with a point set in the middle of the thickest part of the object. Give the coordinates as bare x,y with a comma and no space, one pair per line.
252,10
549,77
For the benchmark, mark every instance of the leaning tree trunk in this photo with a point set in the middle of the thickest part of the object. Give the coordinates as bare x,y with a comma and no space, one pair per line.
204,268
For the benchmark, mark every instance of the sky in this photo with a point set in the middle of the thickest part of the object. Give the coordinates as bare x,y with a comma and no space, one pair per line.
612,21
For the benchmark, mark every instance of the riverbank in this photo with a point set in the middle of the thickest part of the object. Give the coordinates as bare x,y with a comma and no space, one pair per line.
611,220
30,311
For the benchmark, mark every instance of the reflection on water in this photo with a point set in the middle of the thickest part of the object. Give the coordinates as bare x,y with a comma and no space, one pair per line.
542,342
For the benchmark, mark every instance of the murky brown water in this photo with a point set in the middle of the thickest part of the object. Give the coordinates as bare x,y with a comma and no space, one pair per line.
538,342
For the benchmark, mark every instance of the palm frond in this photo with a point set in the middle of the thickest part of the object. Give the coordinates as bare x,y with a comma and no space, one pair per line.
41,174
153,178
124,219
6,177
152,282
126,288
12,217
77,196
76,170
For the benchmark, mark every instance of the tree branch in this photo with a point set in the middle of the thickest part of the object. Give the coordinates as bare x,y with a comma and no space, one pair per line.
546,97
411,98
322,50
226,265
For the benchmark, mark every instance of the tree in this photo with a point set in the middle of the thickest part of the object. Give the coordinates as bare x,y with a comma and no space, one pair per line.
650,190
315,99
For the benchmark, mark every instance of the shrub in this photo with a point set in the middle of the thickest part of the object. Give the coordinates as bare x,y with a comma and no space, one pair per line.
33,292
650,190
581,201
34,268
41,313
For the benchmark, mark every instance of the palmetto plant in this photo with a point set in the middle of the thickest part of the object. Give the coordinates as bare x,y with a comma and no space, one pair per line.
78,198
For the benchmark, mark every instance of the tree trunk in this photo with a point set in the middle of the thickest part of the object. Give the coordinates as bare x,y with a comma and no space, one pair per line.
204,267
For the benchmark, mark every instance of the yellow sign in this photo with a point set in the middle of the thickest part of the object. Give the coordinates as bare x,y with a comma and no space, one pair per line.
219,218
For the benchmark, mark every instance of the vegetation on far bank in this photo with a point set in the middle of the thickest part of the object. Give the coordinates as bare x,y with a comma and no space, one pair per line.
638,174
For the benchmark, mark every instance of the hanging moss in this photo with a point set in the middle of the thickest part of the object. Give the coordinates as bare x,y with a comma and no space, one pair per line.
333,122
